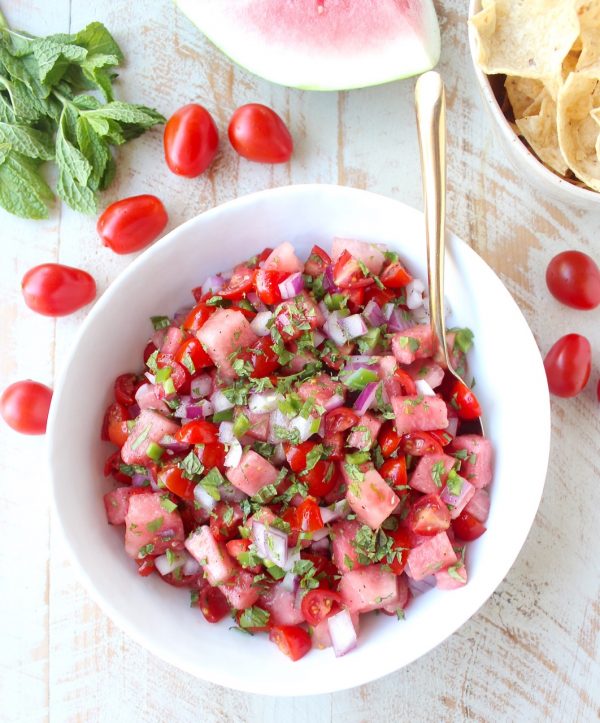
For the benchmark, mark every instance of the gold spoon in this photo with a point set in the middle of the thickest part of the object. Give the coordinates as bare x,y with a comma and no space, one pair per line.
430,102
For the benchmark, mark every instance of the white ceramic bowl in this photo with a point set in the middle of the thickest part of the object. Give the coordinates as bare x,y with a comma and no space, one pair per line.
524,161
505,362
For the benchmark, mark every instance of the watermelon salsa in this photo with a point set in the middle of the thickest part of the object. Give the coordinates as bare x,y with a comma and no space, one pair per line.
294,452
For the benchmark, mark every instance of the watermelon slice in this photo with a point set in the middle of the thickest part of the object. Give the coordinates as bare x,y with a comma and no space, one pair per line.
322,44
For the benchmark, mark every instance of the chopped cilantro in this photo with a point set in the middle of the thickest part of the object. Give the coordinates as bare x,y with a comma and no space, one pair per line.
191,466
454,483
463,338
254,617
211,483
354,472
151,362
225,416
315,454
142,437
160,322
146,550
437,470
167,504
241,425
265,494
188,363
409,342
453,572
291,435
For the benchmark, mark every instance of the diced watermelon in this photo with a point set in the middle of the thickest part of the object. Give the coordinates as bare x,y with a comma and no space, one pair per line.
283,259
414,343
259,425
150,529
172,340
253,473
418,413
369,588
457,503
217,563
300,360
342,534
479,505
371,498
452,580
321,388
431,556
150,426
477,467
428,476
387,366
403,596
364,435
116,503
224,333
368,253
457,357
147,398
239,590
427,370
280,603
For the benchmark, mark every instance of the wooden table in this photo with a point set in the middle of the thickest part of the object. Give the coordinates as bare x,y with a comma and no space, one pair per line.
532,651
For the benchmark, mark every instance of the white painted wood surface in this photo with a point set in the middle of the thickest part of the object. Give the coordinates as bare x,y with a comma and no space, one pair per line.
532,652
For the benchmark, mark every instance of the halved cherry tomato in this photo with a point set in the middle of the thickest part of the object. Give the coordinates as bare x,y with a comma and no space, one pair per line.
257,133
340,420
239,284
191,140
57,290
212,455
295,454
568,365
112,468
442,437
394,471
262,357
292,640
267,285
467,527
418,444
198,316
172,478
114,428
318,604
401,546
388,438
335,443
574,279
356,300
146,566
191,350
149,350
347,273
308,516
322,476
317,262
126,386
213,604
325,571
464,401
198,431
428,516
400,384
337,362
236,547
132,223
395,276
179,374
380,296
178,579
225,520
25,405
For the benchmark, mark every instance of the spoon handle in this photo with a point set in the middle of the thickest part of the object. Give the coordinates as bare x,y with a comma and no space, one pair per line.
430,103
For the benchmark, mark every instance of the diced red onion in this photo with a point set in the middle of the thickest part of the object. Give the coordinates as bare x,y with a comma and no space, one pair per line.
150,377
306,427
220,401
271,543
452,427
229,493
201,386
292,559
139,480
165,564
342,632
278,454
263,402
366,398
353,326
334,329
334,402
203,498
195,411
184,402
169,442
190,566
226,435
398,320
289,582
418,587
318,338
328,282
234,455
458,502
320,534
324,310
387,310
292,286
260,322
300,593
414,293
320,545
180,315
172,340
277,419
213,283
424,388
372,314
134,409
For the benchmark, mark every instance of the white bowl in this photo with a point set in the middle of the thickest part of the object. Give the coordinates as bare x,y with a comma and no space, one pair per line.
523,160
505,362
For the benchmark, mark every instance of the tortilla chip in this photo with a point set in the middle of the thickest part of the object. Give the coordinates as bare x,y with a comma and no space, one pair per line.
588,12
522,94
541,133
578,109
526,38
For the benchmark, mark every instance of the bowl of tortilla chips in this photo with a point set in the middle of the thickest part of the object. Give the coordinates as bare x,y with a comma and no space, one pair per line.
538,67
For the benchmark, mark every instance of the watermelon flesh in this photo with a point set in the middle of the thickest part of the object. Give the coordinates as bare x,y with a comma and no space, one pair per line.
323,44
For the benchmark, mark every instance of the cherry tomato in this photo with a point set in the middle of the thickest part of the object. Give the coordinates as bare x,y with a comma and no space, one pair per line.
126,386
442,437
395,276
225,520
236,547
340,420
428,516
467,527
57,290
191,350
388,438
418,444
347,273
317,605
198,316
574,279
317,262
335,443
336,362
380,296
262,357
213,604
114,427
178,579
464,401
25,405
179,374
149,350
146,566
322,476
401,546
292,640
295,454
394,471
198,431
132,223
212,455
325,571
308,516
239,284
172,478
400,384
356,299
191,140
267,286
568,365
112,468
258,134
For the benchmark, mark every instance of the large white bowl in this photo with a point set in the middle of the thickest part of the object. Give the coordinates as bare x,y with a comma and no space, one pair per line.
526,163
505,362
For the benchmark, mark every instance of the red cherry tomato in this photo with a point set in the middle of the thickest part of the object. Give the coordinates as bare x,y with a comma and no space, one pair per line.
317,605
340,420
239,284
464,401
574,279
348,274
132,223
191,140
198,431
401,384
191,356
146,567
380,296
212,455
114,428
401,546
568,365
388,438
418,444
172,478
335,443
225,520
356,300
57,290
267,286
25,405
292,640
258,134
213,604
467,527
198,316
236,547
262,357
325,571
395,276
112,468
308,516
317,262
428,516
394,471
179,374
321,478
126,386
